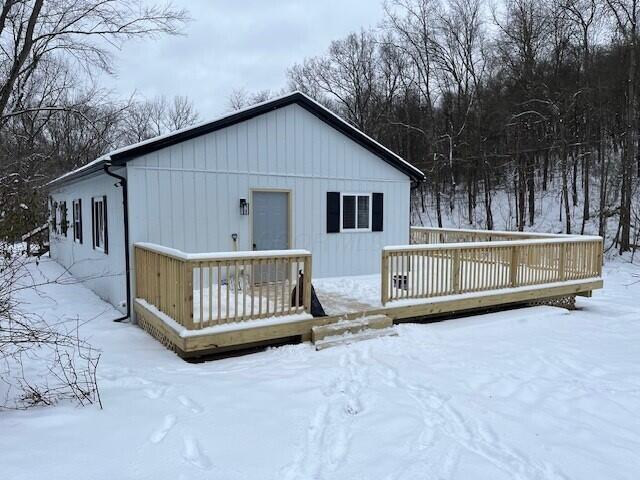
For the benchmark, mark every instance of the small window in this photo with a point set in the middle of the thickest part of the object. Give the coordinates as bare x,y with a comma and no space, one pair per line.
356,212
64,220
99,217
77,221
55,218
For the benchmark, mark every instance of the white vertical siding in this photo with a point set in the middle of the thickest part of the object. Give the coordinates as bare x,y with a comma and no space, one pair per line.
186,196
102,273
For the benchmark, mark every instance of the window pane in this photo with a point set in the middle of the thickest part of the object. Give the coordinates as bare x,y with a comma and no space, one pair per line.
363,212
349,211
98,224
101,223
95,224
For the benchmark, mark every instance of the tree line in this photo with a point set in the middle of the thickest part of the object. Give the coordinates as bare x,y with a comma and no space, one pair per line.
494,102
517,98
54,115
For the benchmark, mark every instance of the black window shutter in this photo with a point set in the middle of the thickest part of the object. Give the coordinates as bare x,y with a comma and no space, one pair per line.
80,219
333,212
106,231
93,224
377,212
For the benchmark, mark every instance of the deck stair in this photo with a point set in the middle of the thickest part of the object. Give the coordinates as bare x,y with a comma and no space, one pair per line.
350,331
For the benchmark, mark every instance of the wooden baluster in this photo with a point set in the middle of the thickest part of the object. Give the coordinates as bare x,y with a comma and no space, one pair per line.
261,270
289,290
406,272
283,284
243,284
201,292
252,281
455,272
235,291
219,293
226,317
276,263
392,265
210,285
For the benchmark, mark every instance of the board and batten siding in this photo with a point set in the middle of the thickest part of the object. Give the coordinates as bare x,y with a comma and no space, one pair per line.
186,196
101,272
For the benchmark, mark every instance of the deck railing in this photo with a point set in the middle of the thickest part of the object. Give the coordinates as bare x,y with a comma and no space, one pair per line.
205,289
432,235
427,271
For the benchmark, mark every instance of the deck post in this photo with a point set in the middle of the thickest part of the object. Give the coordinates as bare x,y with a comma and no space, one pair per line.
384,273
513,270
307,284
455,272
561,266
187,300
599,257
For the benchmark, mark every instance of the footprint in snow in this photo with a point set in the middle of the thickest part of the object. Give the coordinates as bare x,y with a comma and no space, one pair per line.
352,406
190,404
155,393
161,432
193,454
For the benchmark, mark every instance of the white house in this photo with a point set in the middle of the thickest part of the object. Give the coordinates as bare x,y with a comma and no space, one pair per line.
283,174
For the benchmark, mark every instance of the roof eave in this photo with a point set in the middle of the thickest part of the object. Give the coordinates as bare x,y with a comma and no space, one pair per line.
120,157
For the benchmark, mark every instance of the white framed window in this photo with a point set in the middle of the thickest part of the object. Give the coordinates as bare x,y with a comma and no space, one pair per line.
77,221
64,219
355,212
99,220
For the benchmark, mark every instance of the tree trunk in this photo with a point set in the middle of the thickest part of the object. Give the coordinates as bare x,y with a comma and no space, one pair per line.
574,184
586,159
487,195
630,149
604,167
565,188
531,187
545,170
436,169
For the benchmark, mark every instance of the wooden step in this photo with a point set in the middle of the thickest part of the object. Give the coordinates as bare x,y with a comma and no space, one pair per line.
349,338
350,326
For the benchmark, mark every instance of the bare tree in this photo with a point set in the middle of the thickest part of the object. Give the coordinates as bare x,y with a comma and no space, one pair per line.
62,366
80,31
353,77
144,119
626,15
241,98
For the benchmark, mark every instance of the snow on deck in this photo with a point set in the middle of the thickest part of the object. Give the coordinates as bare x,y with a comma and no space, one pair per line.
536,393
340,295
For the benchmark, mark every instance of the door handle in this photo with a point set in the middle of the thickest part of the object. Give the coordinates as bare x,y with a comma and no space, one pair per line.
255,247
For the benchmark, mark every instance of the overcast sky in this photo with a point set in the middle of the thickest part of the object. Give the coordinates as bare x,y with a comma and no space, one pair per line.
232,44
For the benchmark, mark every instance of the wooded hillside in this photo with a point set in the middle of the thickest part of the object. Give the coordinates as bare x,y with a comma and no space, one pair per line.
500,103
513,110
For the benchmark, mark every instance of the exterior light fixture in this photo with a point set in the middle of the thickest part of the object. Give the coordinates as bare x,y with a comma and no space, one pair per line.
244,206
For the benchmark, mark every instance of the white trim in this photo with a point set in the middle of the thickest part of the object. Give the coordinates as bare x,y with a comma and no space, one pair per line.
94,215
356,229
76,220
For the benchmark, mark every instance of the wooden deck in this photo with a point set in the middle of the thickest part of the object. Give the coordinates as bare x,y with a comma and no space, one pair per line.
204,303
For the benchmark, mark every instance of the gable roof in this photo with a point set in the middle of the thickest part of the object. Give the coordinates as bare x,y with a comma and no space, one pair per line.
122,155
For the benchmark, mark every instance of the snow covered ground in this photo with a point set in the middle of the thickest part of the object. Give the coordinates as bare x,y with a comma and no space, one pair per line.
538,393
